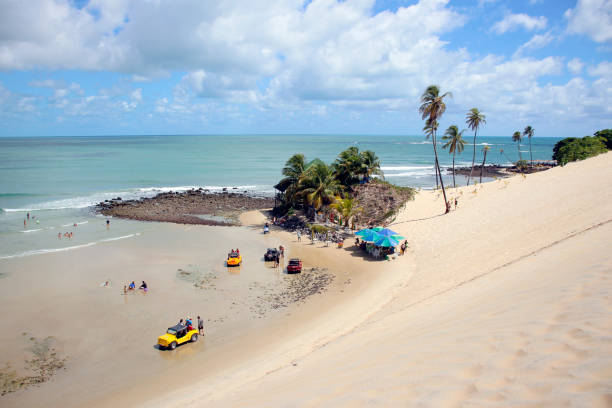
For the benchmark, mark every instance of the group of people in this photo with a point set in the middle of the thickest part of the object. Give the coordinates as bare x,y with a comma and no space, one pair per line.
132,287
66,234
25,221
187,322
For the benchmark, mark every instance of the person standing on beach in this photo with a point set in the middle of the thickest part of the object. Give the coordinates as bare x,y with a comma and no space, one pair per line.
24,224
28,216
299,236
200,326
107,224
456,203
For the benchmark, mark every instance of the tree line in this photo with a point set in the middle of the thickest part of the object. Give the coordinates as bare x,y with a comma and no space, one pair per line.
314,184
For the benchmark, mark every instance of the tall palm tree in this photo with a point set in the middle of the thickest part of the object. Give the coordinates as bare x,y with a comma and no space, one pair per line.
370,164
432,108
529,131
429,130
293,172
474,119
484,150
455,144
319,185
517,137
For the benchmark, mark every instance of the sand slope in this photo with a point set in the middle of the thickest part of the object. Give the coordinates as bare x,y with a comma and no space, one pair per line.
504,302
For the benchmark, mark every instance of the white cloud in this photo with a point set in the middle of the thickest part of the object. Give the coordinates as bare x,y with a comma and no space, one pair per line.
592,18
575,66
513,21
536,42
603,69
283,55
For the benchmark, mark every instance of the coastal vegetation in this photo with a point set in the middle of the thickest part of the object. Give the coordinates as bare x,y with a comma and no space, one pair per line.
474,119
432,108
485,150
517,137
340,187
529,131
573,148
455,144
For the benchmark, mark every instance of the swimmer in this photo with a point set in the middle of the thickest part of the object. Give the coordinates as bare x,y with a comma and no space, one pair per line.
74,225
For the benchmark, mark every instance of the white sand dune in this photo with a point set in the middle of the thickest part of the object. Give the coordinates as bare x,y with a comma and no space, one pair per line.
505,302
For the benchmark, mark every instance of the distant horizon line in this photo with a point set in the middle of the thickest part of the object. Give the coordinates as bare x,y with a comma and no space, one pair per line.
241,134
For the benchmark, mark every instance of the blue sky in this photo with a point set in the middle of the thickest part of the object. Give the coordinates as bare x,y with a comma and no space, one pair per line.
108,67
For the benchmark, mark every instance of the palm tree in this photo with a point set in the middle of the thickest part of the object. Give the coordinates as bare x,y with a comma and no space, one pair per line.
455,143
474,119
347,208
429,130
529,131
293,172
432,108
484,150
370,164
319,184
348,166
517,137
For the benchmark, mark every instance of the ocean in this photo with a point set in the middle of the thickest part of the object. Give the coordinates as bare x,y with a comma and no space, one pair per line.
57,179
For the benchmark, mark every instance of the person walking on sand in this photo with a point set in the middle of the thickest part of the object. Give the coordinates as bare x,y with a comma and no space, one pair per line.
200,326
456,203
299,236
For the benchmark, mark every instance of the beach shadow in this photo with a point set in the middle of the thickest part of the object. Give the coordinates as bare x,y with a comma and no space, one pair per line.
359,253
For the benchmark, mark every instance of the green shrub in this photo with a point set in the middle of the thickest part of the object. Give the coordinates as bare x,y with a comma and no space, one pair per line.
522,165
572,149
606,135
318,229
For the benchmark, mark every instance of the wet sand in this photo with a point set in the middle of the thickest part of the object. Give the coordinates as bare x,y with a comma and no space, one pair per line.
109,338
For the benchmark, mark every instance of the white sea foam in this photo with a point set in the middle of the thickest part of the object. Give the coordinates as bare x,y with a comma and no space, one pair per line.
130,194
33,230
53,250
77,223
46,251
411,174
399,168
118,238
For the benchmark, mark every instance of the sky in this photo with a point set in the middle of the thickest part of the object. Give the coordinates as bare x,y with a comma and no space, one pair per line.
118,67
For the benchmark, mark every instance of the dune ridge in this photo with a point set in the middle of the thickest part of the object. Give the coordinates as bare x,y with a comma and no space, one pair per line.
505,302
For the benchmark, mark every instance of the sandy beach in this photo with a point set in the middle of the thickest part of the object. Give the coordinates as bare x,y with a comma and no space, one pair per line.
503,302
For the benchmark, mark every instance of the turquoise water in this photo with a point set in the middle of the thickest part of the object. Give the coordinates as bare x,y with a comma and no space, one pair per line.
56,179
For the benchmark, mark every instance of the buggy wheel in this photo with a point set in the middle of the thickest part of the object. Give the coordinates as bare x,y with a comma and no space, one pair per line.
194,338
173,345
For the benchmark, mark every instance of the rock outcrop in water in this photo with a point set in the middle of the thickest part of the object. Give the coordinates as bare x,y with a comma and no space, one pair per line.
189,207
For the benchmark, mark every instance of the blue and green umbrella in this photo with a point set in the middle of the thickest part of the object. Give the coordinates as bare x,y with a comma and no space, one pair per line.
367,235
386,232
386,242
